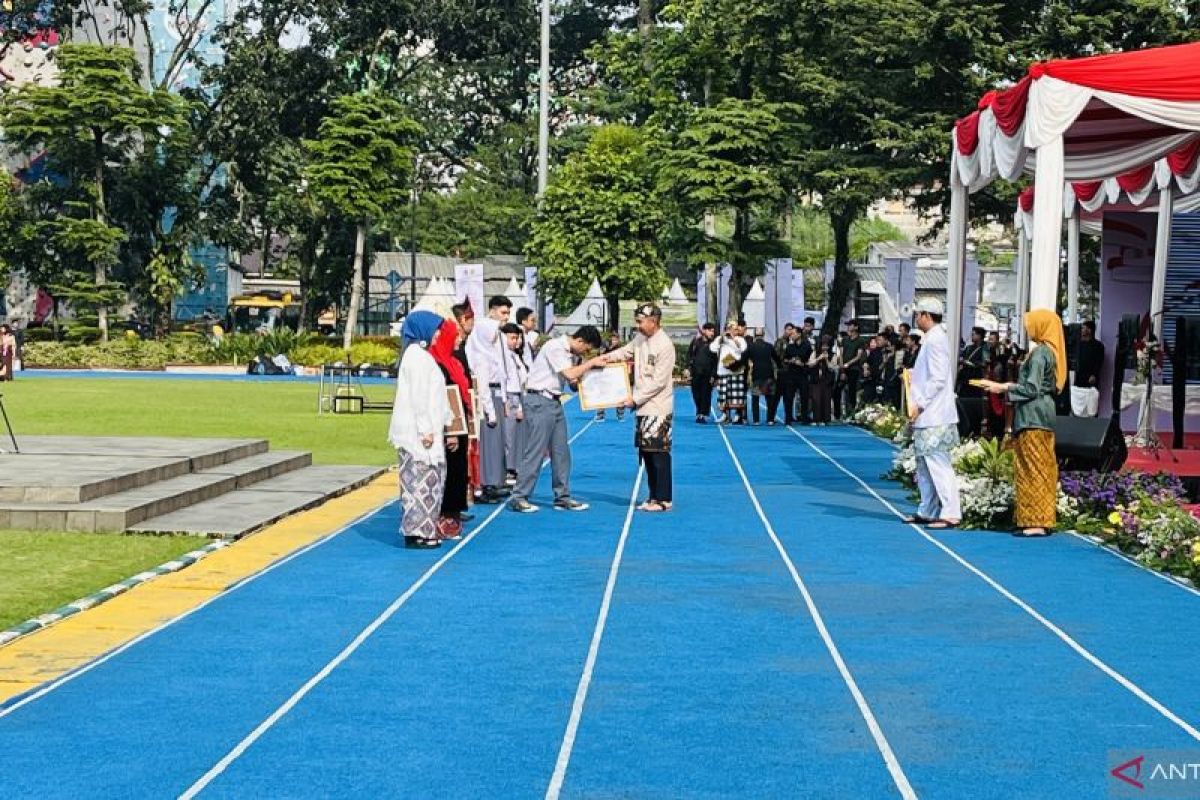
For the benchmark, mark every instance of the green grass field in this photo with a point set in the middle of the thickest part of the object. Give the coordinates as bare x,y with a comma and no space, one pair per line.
40,570
284,413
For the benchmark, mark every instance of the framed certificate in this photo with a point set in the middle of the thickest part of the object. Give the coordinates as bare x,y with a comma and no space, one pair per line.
605,388
473,417
459,426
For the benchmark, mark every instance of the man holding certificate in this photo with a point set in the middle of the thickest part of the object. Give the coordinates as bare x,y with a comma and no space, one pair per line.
653,357
546,424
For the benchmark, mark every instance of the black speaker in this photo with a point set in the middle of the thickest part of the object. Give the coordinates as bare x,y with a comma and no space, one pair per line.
1086,443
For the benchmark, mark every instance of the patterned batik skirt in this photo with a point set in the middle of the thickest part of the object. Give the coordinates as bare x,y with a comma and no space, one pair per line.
653,434
733,390
421,487
1037,479
935,439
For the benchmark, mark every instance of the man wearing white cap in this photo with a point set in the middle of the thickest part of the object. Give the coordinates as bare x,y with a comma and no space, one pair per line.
934,417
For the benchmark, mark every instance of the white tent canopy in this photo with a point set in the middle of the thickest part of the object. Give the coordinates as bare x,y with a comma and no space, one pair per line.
1123,122
675,295
592,310
754,307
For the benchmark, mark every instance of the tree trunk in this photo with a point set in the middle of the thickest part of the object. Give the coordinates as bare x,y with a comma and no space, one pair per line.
101,216
613,299
843,276
712,278
738,283
356,286
645,29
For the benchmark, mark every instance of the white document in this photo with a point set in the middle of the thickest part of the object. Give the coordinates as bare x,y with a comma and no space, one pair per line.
605,388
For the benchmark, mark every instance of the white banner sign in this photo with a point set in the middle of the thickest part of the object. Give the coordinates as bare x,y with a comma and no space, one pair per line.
468,284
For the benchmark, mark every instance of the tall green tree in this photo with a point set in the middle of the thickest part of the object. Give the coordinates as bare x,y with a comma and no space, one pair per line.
361,163
727,159
94,124
601,219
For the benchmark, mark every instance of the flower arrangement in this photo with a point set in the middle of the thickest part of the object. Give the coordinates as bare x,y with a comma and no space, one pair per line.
881,420
1148,357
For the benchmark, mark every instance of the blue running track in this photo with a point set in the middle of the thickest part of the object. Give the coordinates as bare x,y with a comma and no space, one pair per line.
781,633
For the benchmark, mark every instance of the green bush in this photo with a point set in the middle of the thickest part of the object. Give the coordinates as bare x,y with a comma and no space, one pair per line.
314,355
39,334
390,342
371,353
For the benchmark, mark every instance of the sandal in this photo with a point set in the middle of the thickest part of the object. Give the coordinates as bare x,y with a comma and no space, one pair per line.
654,507
916,519
1025,534
941,525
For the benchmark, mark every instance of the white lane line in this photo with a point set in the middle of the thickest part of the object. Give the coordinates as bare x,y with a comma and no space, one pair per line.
91,665
1112,551
885,749
589,665
1133,688
278,714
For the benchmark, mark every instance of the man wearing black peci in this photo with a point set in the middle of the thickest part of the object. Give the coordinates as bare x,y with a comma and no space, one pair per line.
702,366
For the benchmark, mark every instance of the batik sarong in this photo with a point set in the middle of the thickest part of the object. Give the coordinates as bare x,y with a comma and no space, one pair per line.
1037,479
421,487
653,434
733,391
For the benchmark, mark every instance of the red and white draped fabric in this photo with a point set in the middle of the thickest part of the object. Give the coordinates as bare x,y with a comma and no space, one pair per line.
1115,128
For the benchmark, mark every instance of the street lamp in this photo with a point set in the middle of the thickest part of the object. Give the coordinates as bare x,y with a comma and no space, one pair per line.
412,236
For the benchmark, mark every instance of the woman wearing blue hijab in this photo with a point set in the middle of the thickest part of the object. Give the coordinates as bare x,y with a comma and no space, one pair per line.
420,415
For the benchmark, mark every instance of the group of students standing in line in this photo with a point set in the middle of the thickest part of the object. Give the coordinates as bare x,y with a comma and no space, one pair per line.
514,384
816,378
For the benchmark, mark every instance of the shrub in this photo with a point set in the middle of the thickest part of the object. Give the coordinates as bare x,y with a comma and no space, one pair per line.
371,353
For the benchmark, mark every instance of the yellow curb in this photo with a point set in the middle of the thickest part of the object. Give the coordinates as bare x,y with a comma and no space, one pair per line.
67,645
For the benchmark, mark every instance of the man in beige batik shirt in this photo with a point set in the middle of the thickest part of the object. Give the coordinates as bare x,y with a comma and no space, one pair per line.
653,357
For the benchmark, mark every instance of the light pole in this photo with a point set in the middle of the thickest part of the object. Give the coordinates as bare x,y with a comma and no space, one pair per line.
412,237
544,104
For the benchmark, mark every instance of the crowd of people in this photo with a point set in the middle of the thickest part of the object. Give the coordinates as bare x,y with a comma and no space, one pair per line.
814,378
508,384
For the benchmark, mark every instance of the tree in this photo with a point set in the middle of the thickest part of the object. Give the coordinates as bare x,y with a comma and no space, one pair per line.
361,164
601,219
94,125
726,159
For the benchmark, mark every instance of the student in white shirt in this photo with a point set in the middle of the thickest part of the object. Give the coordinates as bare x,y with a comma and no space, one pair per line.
547,423
730,348
514,391
485,355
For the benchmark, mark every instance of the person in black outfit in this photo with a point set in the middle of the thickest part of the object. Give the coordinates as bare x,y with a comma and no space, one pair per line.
764,362
1085,394
971,363
702,365
822,379
794,377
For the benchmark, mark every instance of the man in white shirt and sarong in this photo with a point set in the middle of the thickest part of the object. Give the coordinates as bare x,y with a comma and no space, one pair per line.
934,415
730,348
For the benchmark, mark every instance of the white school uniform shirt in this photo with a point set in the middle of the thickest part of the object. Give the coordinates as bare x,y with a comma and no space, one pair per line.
485,356
516,372
727,346
932,389
552,359
420,407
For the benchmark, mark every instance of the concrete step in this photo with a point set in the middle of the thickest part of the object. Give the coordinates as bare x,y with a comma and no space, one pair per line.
65,469
240,512
117,512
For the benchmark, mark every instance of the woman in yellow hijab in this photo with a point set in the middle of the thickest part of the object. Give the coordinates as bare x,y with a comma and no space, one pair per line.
1043,374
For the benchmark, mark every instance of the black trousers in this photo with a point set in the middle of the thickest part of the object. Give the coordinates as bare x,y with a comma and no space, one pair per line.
454,498
658,474
702,391
772,406
821,400
852,380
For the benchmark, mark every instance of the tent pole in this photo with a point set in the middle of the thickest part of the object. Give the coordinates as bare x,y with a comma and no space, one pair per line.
1073,266
1162,244
1045,252
956,265
1022,305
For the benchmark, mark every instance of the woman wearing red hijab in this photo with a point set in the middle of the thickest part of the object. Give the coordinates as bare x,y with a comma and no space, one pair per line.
454,499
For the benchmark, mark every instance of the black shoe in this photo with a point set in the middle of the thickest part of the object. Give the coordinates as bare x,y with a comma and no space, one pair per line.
465,517
522,506
420,543
488,497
